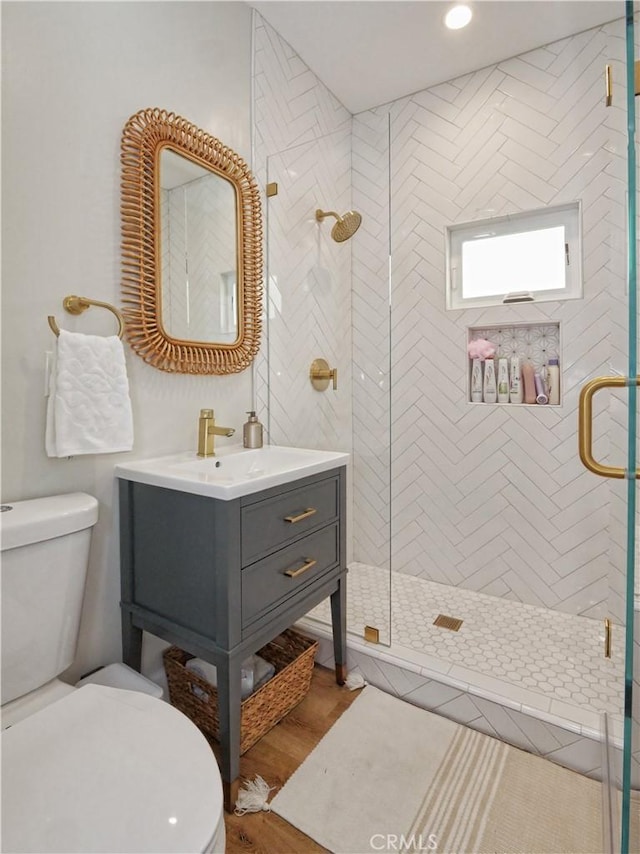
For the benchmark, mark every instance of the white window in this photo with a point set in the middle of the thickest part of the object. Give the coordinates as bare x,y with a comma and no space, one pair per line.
524,257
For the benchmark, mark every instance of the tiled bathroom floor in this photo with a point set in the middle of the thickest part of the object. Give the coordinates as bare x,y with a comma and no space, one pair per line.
542,659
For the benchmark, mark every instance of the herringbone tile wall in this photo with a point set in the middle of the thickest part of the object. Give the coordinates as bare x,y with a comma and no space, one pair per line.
309,295
303,143
490,498
494,498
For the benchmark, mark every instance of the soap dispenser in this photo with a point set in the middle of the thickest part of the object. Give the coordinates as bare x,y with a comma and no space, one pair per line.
252,432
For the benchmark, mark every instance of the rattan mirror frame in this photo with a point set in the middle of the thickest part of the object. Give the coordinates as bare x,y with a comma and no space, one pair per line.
144,136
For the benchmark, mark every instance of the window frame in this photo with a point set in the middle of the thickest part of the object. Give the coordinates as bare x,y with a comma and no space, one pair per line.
568,215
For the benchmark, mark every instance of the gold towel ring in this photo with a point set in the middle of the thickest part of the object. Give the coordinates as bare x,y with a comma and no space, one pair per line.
76,305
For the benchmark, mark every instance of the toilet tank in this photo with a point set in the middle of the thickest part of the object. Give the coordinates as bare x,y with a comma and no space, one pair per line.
45,551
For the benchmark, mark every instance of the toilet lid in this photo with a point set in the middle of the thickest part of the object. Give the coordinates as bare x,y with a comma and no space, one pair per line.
108,770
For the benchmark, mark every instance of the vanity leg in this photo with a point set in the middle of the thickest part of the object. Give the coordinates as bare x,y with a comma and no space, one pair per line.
131,642
229,712
230,793
339,625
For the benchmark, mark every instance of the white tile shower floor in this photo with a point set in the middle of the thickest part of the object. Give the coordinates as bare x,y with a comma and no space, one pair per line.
540,660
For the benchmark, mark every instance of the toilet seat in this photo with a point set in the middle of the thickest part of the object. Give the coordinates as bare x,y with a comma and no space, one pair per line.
109,770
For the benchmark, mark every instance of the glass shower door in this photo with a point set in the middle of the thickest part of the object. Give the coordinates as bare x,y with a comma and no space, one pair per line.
630,806
328,299
621,765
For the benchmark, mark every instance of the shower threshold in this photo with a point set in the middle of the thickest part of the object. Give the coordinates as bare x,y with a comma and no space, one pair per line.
530,676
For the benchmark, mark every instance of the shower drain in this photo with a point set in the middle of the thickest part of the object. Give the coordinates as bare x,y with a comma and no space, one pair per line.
445,622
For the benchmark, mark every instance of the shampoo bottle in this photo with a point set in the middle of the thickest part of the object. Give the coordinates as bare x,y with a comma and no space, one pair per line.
515,381
252,432
476,381
489,394
528,383
553,380
503,381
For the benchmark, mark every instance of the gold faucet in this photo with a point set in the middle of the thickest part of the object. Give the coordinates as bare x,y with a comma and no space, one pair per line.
207,430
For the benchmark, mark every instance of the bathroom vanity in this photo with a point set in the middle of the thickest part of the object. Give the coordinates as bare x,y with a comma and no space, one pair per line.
219,556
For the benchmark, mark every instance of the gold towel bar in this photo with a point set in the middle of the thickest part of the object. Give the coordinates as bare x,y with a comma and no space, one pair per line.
76,305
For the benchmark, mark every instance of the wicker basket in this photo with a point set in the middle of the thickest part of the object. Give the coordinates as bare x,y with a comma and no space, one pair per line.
291,654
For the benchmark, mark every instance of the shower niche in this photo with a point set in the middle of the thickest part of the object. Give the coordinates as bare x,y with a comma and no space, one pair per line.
534,344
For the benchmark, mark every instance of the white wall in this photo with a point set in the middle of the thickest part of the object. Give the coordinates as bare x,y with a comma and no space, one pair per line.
73,73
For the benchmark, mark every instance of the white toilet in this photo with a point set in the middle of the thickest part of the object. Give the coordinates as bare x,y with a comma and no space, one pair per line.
90,769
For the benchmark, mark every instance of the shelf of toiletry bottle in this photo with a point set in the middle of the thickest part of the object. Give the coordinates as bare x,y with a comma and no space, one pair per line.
516,405
512,383
515,365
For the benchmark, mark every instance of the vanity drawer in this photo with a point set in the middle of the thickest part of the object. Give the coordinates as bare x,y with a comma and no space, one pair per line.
272,523
287,572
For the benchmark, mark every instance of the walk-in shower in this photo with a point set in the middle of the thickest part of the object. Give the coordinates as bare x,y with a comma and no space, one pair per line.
481,512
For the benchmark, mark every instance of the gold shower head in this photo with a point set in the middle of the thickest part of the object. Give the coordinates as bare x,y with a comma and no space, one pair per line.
345,227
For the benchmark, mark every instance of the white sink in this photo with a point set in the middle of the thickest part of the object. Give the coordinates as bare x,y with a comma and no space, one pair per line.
234,471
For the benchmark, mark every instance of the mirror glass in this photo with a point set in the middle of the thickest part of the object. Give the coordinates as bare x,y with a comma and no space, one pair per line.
197,252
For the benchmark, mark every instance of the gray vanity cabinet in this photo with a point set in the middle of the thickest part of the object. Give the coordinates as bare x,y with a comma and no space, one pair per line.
220,579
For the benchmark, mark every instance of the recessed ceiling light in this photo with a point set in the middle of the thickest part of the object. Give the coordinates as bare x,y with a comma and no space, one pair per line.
458,17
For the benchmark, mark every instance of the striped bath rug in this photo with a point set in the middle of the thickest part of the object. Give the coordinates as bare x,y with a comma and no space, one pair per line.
389,776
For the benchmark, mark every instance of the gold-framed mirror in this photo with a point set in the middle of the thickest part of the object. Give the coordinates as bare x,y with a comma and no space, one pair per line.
191,247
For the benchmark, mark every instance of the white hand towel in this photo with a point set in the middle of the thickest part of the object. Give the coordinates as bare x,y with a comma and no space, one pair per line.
209,673
89,409
262,671
204,670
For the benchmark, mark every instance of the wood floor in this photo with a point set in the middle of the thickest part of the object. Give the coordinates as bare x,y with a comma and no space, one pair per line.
275,757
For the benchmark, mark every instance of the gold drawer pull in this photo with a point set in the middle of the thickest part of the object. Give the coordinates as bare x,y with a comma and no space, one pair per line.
294,573
304,515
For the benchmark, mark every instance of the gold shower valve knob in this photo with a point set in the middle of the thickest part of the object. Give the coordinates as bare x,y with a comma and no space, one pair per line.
321,375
